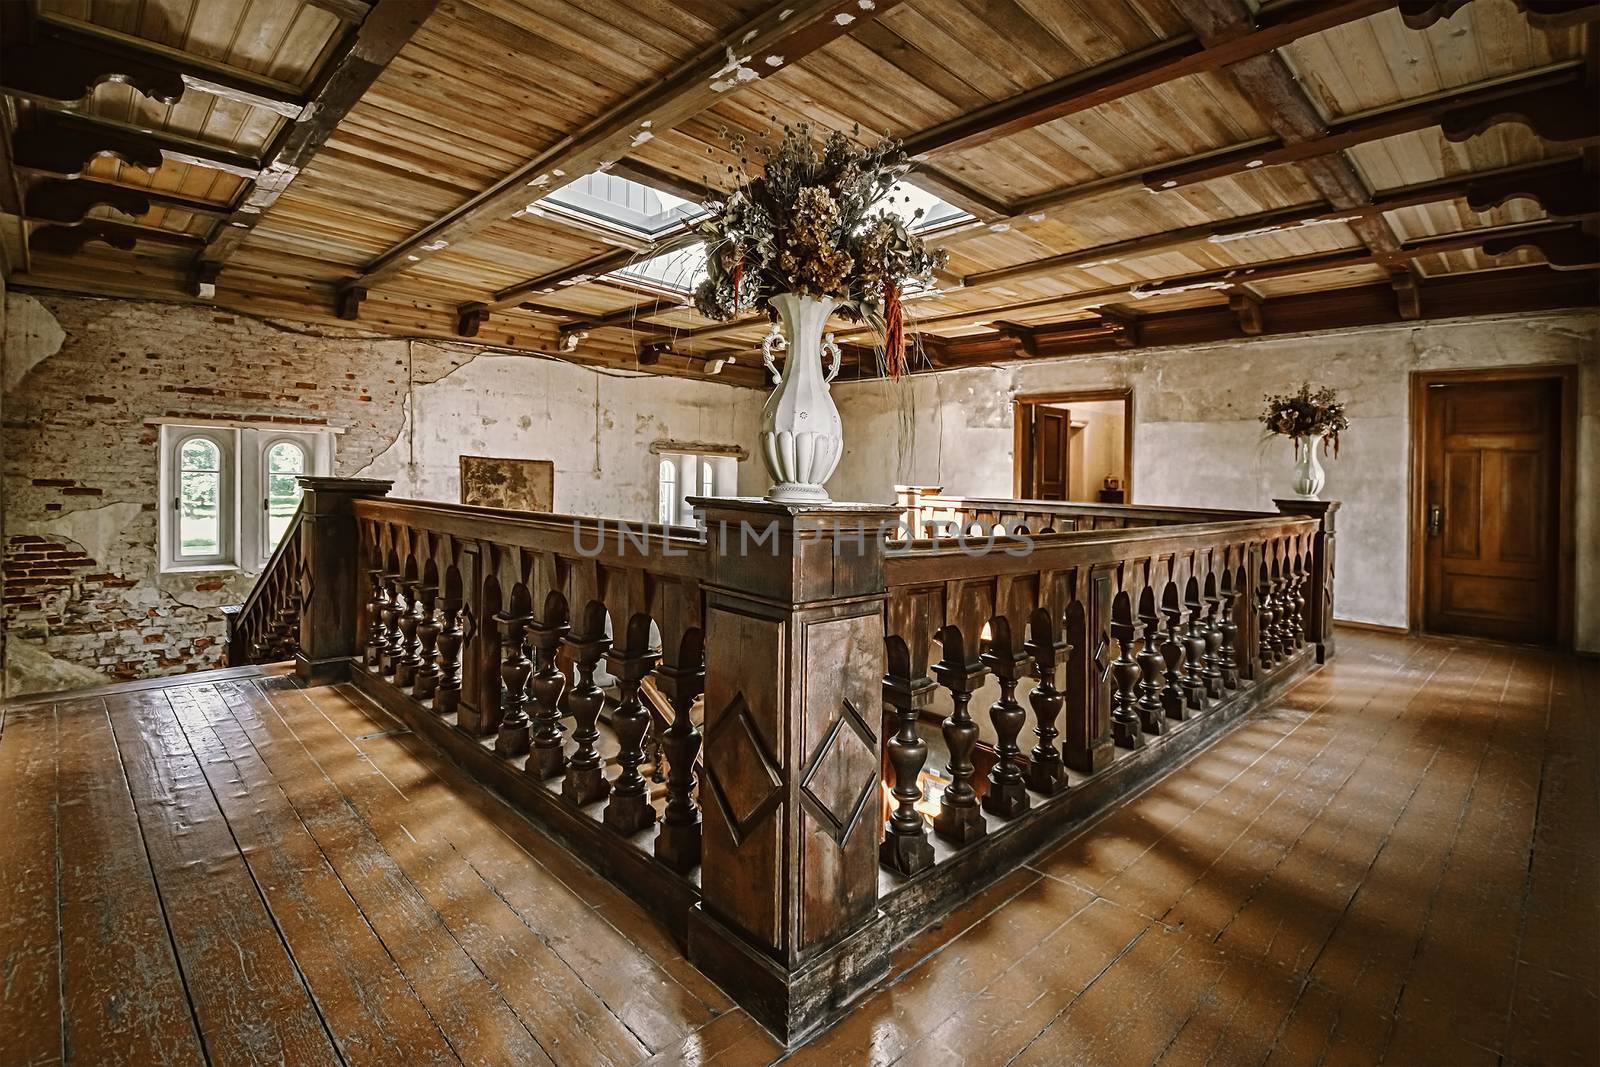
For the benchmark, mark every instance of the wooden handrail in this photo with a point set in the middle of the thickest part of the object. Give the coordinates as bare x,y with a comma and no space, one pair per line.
265,628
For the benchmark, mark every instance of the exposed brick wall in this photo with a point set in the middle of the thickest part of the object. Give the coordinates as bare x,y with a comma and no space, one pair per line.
82,579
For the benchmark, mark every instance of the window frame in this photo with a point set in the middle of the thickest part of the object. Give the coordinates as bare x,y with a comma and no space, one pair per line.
265,545
242,493
227,526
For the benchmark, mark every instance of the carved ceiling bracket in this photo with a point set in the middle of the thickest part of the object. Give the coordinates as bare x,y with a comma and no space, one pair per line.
58,146
59,200
1023,337
1407,293
347,304
1247,308
69,240
1560,114
1567,249
202,280
1123,325
470,319
50,68
1563,195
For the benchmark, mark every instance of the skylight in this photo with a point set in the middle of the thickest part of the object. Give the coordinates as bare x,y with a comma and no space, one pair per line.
678,271
622,203
905,199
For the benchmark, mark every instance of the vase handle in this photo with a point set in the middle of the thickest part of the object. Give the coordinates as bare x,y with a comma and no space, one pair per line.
773,340
832,350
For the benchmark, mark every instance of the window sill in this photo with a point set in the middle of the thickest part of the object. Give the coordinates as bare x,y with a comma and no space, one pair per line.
202,568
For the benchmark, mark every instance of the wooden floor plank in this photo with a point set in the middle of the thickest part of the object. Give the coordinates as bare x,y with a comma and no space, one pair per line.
1394,864
656,1000
124,1000
323,780
251,1003
30,958
364,997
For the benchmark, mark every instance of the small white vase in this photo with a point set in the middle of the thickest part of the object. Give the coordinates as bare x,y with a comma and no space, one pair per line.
801,435
1309,476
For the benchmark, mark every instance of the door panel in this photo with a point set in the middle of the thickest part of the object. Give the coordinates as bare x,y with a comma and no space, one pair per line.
1492,489
1051,428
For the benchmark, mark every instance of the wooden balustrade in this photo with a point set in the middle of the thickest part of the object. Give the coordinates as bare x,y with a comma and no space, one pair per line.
889,724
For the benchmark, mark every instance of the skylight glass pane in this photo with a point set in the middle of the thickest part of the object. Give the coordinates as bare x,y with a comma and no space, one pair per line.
622,203
679,271
904,200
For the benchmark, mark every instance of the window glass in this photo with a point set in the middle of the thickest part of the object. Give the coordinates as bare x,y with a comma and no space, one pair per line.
286,461
199,498
667,493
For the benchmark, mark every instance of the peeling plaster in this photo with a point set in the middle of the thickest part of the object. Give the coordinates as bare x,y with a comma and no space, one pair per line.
32,335
98,530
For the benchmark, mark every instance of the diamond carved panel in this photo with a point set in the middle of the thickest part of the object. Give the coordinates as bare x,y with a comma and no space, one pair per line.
743,775
832,787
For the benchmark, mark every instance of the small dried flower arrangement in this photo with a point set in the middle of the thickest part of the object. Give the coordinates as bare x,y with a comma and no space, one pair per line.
814,224
1307,414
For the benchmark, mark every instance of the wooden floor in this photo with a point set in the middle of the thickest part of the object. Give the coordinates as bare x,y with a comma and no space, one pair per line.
1395,864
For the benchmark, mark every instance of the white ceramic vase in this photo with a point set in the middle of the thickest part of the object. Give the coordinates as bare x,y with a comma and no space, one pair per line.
1309,476
801,436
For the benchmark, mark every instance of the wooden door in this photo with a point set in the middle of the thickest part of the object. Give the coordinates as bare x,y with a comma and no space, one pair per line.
1492,486
1052,431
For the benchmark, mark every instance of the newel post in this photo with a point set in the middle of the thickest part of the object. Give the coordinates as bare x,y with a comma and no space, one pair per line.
1319,591
331,585
795,664
909,500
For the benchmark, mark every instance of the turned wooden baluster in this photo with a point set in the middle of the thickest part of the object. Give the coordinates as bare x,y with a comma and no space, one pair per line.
1266,647
1008,793
1172,656
405,668
585,780
393,647
678,840
959,819
447,695
1124,671
1298,602
1047,773
1280,609
1227,628
1213,673
511,738
425,680
905,846
547,758
1150,665
377,634
629,811
1194,647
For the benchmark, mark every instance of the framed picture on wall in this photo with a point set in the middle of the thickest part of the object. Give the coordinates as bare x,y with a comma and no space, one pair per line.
514,484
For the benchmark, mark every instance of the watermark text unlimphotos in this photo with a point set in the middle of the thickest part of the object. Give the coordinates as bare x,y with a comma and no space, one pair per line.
746,538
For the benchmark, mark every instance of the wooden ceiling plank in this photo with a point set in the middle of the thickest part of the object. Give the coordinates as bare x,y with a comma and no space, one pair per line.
781,35
69,200
388,26
1149,67
67,142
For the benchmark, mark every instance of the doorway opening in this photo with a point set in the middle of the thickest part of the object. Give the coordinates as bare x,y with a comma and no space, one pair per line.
1493,457
1075,447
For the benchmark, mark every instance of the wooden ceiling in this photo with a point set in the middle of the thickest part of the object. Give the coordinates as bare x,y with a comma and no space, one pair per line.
1137,171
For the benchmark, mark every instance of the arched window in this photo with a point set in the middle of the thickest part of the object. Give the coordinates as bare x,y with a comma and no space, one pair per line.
201,519
284,463
667,493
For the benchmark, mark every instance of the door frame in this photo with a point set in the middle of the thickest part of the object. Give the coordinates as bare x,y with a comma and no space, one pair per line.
1022,444
1566,377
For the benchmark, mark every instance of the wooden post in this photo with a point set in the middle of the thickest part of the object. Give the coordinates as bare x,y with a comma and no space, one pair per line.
331,584
792,801
909,499
1319,591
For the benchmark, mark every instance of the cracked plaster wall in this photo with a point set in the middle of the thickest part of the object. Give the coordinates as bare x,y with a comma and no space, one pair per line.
84,600
1197,442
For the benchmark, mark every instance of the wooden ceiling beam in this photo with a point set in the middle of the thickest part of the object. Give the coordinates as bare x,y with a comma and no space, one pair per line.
1552,100
1558,183
64,61
1487,292
70,240
365,53
61,142
780,36
1163,62
1266,81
